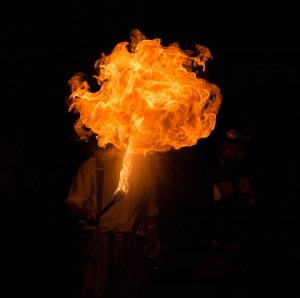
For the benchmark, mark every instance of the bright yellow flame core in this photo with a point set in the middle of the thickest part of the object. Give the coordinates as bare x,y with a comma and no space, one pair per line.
149,99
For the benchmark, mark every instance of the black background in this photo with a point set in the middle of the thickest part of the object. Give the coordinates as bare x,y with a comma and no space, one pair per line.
256,65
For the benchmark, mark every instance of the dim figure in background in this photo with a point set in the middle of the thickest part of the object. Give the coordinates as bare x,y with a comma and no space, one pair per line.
230,214
114,245
234,185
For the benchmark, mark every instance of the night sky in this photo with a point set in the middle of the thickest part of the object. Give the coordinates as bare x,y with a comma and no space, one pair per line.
256,64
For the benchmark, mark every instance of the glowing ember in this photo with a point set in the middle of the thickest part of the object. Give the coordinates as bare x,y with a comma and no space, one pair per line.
149,99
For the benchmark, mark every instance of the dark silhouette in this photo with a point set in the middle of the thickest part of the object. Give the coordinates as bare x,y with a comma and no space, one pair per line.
114,243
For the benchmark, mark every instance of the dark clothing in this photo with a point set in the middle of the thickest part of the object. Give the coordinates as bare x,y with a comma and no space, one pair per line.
232,219
230,170
113,259
232,213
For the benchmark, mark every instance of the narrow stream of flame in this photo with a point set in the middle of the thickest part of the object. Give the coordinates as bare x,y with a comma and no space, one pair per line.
125,173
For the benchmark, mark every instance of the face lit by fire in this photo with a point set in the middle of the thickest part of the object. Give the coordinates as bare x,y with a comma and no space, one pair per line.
149,99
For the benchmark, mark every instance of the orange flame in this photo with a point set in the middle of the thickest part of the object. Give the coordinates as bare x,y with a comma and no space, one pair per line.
150,99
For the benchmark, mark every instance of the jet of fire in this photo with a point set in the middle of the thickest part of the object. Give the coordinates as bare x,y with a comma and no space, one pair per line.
149,100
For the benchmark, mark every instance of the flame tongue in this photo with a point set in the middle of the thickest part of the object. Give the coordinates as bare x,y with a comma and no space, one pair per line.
149,99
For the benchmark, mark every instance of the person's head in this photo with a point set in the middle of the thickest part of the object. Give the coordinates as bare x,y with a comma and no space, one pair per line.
234,144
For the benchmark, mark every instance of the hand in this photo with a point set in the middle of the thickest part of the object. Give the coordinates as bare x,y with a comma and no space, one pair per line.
246,188
226,188
153,249
82,213
91,215
244,185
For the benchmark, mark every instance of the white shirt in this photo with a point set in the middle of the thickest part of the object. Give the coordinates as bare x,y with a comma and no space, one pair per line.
140,200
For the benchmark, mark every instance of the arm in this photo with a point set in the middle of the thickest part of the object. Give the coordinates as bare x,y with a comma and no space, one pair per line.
80,190
81,213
